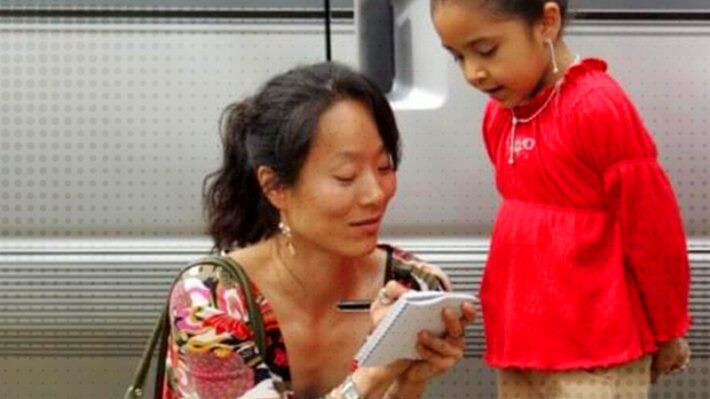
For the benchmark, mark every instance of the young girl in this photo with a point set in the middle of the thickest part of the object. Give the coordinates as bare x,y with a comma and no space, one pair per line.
588,276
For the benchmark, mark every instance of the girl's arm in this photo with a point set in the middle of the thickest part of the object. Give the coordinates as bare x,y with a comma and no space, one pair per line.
614,142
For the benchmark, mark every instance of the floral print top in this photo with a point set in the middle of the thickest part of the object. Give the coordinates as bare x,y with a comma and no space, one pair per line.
212,353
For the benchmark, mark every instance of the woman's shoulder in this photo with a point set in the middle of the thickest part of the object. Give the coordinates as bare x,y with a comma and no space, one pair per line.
206,282
249,259
409,269
206,286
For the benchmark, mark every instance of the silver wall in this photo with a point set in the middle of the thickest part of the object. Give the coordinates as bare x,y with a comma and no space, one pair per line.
107,128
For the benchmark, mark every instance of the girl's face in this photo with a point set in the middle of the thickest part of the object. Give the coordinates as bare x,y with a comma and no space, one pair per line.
506,58
347,180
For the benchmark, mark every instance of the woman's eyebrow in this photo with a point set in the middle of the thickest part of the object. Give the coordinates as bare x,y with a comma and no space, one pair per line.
347,155
350,155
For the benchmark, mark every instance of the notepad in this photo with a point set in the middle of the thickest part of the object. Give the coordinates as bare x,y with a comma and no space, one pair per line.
395,337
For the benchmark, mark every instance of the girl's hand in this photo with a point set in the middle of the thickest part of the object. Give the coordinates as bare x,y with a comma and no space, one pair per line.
441,353
672,357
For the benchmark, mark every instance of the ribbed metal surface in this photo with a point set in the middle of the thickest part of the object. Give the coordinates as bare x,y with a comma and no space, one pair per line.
101,297
93,297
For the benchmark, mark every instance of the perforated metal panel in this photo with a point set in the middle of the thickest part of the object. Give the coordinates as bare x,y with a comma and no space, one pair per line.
670,85
109,129
446,182
166,4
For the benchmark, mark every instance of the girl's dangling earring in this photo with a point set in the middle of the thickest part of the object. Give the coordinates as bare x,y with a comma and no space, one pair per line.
555,68
286,232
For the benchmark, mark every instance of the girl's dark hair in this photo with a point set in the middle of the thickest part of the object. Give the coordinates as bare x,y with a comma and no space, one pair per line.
529,10
275,128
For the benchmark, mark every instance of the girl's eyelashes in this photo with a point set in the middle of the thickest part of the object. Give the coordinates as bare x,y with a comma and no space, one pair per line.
456,56
488,52
483,52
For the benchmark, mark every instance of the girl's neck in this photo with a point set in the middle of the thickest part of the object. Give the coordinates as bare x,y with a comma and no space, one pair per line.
315,277
565,59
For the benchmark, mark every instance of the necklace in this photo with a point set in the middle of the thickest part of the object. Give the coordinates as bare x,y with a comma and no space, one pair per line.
517,121
288,270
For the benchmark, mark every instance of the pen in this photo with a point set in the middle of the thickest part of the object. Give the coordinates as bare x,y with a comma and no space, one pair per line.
356,305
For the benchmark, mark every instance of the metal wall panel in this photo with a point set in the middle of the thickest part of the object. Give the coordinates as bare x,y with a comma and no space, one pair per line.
669,85
169,4
641,5
106,130
88,297
81,310
625,5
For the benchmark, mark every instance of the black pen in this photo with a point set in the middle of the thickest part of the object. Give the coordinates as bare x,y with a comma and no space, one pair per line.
355,305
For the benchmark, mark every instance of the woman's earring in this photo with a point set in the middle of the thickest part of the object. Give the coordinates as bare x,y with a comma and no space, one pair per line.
555,68
286,232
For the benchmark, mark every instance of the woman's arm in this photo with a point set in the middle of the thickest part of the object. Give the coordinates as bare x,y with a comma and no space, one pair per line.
406,390
439,355
212,352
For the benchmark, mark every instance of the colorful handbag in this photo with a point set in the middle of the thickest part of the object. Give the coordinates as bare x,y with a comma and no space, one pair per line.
162,328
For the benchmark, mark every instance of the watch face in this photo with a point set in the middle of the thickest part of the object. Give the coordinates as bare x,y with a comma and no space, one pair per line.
349,391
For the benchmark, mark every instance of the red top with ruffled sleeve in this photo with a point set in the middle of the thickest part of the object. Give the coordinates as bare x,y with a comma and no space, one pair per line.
588,264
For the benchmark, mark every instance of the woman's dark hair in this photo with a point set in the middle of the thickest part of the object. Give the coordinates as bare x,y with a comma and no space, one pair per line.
529,10
275,128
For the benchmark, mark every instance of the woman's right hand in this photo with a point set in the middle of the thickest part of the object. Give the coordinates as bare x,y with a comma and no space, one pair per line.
387,296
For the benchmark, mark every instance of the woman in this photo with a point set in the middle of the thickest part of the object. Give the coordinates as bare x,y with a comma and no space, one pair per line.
308,170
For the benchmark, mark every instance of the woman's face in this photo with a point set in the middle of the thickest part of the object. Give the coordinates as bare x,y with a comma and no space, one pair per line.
347,180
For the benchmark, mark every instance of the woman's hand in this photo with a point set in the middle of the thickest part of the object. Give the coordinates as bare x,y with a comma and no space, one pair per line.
673,356
372,382
387,296
441,353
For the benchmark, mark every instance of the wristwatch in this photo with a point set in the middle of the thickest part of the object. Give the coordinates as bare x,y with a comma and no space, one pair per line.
348,389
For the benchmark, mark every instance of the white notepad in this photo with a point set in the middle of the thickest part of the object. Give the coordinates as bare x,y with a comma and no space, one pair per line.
395,337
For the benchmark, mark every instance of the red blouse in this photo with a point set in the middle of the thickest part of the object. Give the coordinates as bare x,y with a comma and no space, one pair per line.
588,264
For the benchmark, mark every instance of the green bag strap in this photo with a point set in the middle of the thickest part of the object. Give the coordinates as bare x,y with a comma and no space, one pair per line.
135,390
255,319
236,271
